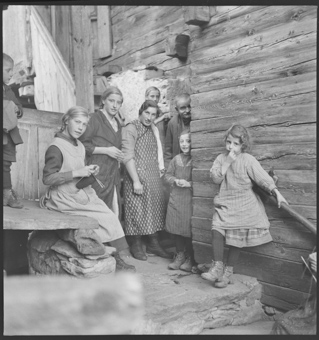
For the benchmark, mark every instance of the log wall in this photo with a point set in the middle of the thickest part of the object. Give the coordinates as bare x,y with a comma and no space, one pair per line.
255,65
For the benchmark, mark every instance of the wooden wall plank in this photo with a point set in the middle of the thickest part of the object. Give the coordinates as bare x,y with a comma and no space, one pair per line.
263,134
275,271
104,31
83,57
297,156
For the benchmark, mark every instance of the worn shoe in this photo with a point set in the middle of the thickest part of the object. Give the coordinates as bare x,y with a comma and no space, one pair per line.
10,198
137,248
121,265
154,247
225,279
178,261
187,265
215,272
204,267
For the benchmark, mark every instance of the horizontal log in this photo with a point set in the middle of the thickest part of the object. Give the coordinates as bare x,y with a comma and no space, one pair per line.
282,298
288,179
261,134
38,305
32,217
42,118
254,98
255,23
267,269
298,156
288,242
204,207
209,190
253,71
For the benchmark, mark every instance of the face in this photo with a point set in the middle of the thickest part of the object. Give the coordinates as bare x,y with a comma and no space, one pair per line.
183,107
148,116
7,71
112,104
185,143
153,95
233,143
76,126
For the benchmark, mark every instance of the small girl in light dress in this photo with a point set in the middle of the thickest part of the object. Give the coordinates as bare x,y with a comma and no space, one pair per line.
239,219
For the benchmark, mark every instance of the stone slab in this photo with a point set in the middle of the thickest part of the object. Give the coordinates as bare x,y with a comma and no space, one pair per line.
32,217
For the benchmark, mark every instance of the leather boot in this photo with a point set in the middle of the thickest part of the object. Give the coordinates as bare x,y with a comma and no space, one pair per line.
137,249
215,272
225,279
121,265
10,198
154,247
178,261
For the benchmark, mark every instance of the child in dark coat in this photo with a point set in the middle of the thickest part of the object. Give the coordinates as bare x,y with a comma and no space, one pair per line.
12,109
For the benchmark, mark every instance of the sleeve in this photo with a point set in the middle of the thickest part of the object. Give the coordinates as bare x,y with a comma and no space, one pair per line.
88,135
170,173
216,170
259,175
9,95
129,137
53,164
168,145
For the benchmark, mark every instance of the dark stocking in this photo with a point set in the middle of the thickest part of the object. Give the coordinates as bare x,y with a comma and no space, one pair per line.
233,255
180,243
218,246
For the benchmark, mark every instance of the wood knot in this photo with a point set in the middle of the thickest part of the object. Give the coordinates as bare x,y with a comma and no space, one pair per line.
251,32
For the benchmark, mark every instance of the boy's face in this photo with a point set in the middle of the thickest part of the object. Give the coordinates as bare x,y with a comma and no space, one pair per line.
7,71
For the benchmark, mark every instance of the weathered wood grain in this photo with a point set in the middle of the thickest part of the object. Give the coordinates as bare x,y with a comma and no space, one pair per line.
262,134
282,298
32,217
203,207
252,24
196,15
247,67
83,57
275,271
59,305
251,97
287,244
299,156
104,31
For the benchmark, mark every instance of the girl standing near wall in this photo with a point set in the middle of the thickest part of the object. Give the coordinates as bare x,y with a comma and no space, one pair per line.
179,211
240,219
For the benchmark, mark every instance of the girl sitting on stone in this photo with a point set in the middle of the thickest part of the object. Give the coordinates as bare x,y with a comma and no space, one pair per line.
64,168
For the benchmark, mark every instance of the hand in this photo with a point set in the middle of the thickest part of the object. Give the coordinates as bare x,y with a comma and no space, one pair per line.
114,152
167,115
138,188
313,261
96,169
85,172
182,183
231,157
280,198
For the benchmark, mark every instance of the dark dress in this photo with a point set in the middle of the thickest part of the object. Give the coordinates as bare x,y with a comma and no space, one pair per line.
144,214
179,210
100,133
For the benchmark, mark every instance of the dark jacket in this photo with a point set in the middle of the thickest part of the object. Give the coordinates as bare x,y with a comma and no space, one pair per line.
174,128
14,133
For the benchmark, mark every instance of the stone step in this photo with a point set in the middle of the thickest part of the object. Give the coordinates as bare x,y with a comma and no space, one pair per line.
178,302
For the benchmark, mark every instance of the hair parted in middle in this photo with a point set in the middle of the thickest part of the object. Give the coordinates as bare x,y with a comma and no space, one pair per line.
151,88
110,90
240,132
73,112
148,103
186,131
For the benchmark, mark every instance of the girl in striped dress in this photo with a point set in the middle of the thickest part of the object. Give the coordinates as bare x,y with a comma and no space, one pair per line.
179,210
240,219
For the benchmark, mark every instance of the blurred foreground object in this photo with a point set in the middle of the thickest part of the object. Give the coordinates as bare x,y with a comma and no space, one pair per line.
61,305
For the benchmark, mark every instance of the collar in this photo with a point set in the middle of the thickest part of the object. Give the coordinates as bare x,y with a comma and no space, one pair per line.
71,140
